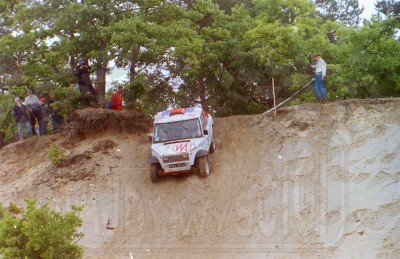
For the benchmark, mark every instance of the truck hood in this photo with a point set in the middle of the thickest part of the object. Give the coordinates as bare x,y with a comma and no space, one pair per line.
177,147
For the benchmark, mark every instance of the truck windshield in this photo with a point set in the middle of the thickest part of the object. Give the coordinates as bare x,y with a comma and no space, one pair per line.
164,132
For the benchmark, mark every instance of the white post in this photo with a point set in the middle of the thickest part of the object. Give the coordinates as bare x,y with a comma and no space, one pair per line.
273,94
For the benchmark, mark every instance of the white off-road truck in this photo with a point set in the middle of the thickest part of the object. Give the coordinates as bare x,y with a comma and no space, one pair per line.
181,141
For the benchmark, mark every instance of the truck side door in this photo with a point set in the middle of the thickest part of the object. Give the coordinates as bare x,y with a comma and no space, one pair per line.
206,126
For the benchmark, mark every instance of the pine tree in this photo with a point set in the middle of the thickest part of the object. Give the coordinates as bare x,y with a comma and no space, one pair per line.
345,11
389,7
39,232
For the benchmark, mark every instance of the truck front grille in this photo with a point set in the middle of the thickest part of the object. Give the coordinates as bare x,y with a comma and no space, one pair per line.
176,158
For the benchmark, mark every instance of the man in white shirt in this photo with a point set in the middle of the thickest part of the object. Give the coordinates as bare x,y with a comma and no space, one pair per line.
320,76
32,101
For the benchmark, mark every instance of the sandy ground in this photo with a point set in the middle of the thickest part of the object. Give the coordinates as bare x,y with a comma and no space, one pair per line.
316,181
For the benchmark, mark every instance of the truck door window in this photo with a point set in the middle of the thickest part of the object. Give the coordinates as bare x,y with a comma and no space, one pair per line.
203,122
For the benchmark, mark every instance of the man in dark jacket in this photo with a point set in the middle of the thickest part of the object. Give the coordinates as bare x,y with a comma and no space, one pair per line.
83,74
21,116
57,119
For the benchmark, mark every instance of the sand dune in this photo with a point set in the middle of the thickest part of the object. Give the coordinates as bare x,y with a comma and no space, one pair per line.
317,180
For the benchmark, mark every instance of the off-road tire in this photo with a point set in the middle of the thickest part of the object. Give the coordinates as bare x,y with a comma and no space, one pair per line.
212,146
204,166
155,170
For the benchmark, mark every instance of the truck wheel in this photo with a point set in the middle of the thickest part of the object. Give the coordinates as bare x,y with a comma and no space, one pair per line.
212,146
155,170
204,167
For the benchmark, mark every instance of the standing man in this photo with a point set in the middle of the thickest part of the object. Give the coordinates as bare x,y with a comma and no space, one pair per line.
33,104
320,76
116,99
83,74
21,116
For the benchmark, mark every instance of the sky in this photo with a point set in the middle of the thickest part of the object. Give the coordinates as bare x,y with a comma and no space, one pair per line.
369,8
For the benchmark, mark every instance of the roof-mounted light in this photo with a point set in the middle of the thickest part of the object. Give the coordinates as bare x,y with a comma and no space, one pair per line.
177,111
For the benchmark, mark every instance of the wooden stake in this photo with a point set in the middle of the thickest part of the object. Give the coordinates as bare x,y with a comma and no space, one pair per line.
273,94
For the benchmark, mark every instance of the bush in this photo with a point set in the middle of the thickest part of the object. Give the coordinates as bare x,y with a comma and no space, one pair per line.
67,99
13,208
7,123
39,232
56,155
2,211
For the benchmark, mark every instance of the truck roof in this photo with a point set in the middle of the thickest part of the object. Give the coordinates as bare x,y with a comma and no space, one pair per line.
178,114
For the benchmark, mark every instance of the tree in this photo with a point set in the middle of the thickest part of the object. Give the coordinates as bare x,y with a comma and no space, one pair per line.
374,46
39,232
198,53
10,57
389,7
345,11
33,48
218,54
228,5
7,124
142,40
285,38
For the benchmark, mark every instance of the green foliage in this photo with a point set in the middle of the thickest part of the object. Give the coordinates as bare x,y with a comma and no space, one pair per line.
2,211
345,11
370,67
389,7
38,232
218,54
148,94
67,98
56,155
6,118
13,208
20,91
11,130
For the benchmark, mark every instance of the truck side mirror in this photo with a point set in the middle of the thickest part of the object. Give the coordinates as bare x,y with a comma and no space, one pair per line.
205,132
150,137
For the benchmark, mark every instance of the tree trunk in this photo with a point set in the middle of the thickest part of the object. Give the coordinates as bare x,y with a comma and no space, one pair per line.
18,71
101,80
202,94
2,136
134,61
101,76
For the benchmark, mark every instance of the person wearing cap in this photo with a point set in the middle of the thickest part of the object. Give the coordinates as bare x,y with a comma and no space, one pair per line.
116,99
33,104
320,77
21,116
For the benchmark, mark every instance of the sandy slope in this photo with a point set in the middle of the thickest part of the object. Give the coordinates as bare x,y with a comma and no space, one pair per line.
315,181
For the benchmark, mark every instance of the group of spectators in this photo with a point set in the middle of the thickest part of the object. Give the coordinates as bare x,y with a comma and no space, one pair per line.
35,114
